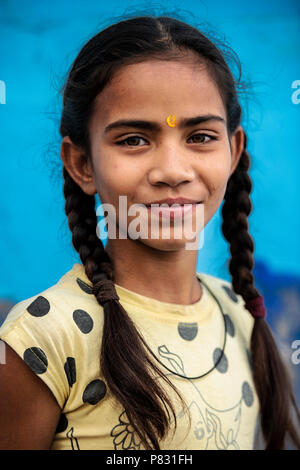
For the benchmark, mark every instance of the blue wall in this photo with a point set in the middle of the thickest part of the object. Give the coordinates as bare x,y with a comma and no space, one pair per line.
39,41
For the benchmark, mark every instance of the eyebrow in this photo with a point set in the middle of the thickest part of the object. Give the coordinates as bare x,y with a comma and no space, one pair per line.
153,126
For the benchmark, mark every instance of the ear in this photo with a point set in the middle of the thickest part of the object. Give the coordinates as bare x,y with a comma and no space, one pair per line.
237,146
78,165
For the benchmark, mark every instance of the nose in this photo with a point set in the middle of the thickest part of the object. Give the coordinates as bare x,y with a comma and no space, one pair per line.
170,166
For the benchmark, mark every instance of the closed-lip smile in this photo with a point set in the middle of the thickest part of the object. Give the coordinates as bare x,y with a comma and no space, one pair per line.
169,201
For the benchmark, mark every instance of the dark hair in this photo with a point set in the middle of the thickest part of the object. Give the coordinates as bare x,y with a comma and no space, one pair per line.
125,364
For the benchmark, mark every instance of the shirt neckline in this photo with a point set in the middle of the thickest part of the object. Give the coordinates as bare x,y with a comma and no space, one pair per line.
201,307
149,303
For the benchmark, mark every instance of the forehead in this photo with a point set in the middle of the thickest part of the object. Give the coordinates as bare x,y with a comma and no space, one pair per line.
152,88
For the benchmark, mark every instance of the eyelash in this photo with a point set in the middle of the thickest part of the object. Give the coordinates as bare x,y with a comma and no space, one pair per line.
122,142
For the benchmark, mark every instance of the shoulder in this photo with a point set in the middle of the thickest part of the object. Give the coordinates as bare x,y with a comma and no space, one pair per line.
68,302
57,330
233,306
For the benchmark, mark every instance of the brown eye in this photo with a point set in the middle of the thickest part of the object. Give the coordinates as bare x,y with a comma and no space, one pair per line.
200,138
132,141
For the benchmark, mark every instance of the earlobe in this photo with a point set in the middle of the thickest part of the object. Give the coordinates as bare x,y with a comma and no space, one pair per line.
77,165
237,146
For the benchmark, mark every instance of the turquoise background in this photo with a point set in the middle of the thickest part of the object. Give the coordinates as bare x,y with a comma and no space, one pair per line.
38,42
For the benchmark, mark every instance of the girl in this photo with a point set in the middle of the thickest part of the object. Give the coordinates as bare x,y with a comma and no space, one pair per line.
134,349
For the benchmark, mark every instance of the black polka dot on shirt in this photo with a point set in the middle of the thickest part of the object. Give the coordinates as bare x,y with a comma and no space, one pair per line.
222,366
83,320
230,293
36,359
94,392
84,286
39,307
70,370
247,394
187,331
62,424
229,325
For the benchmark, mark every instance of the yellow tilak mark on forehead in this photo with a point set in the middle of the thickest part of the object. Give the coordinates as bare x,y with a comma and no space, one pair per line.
171,120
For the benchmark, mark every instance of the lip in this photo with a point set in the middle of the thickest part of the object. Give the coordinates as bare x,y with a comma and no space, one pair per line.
169,201
172,213
184,207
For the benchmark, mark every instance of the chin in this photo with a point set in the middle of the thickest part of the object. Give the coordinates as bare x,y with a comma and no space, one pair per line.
170,244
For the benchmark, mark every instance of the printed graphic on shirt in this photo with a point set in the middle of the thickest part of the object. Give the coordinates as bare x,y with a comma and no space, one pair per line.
73,439
124,435
207,421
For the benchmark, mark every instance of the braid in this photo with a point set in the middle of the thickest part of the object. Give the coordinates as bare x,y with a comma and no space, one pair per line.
124,364
235,212
269,371
82,220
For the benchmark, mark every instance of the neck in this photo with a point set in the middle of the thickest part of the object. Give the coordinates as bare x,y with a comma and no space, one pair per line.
167,276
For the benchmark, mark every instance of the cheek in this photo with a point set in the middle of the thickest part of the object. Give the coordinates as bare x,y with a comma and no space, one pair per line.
215,179
217,176
117,178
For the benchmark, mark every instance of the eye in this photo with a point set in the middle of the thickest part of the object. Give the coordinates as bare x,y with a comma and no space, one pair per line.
200,138
132,141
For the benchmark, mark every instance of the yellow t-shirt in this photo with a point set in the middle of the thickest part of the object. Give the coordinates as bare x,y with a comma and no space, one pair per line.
58,334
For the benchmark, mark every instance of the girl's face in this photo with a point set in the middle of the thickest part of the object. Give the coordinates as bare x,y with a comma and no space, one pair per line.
151,161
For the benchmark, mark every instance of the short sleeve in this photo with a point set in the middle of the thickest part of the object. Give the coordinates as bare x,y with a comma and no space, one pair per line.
36,331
